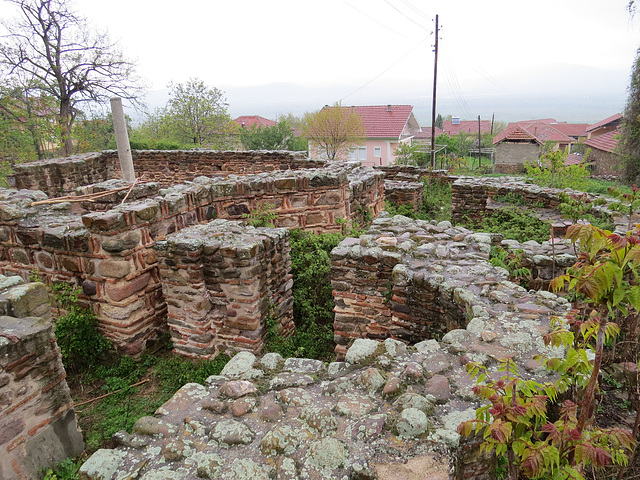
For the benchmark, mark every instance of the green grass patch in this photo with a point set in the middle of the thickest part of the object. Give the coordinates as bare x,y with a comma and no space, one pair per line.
162,376
514,223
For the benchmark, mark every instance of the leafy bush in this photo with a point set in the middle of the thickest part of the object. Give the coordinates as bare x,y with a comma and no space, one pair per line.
514,224
552,172
65,470
513,262
261,216
312,298
81,344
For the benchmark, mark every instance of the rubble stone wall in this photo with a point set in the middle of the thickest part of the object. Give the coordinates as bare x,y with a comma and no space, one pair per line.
404,193
389,410
471,196
108,252
223,282
37,420
61,176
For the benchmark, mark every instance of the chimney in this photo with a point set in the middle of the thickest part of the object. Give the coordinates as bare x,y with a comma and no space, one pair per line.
388,108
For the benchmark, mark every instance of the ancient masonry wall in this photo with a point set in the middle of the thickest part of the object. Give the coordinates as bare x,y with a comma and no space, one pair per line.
223,283
37,421
404,193
415,280
471,196
389,410
109,252
62,176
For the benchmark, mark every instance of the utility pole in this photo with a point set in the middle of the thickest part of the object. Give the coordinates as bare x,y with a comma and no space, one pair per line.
493,117
433,112
479,145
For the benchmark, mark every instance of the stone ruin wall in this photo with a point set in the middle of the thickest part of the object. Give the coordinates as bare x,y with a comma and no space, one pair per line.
62,176
388,409
37,420
109,251
222,282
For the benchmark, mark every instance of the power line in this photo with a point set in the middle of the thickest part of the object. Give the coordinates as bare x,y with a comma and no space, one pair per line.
374,20
386,70
412,7
405,15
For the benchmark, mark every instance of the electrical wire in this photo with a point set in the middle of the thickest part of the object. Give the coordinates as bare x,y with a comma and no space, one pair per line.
405,15
416,10
374,20
387,69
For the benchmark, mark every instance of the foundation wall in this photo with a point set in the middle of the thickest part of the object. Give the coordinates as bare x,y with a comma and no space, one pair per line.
37,420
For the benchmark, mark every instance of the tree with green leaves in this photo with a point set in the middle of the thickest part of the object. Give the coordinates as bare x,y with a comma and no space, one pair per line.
333,130
630,138
277,137
439,121
197,114
56,50
27,122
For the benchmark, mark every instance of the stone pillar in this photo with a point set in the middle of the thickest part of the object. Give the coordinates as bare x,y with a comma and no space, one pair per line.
122,140
223,281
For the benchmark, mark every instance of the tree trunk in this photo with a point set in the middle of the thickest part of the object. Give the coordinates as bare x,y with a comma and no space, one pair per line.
65,120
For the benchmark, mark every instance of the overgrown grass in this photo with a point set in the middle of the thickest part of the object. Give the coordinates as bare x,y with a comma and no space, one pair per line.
162,377
312,298
436,203
514,223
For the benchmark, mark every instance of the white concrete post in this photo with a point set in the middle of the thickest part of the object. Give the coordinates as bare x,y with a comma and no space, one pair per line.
122,140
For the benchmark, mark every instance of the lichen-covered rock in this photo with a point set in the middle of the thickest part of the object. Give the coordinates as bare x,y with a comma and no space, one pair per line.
247,469
362,349
208,465
413,400
280,440
241,363
271,361
372,380
327,453
319,419
102,465
153,426
231,432
238,388
303,365
354,405
412,422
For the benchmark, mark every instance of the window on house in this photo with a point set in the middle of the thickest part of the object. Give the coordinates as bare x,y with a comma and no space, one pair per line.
358,153
377,152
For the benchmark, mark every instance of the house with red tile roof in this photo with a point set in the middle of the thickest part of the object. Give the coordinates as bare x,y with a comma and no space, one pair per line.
247,121
607,125
603,153
470,127
522,142
386,127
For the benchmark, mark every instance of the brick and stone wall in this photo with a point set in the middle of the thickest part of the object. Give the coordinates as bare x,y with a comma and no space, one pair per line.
62,176
412,172
471,196
390,409
108,251
606,163
404,193
37,420
223,282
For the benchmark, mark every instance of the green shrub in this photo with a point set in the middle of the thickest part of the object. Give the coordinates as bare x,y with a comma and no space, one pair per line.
312,298
515,224
81,344
513,262
65,470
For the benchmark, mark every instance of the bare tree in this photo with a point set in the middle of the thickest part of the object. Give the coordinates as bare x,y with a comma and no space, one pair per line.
334,130
68,60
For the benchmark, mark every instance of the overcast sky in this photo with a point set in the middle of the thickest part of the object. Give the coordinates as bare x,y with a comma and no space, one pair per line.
491,48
